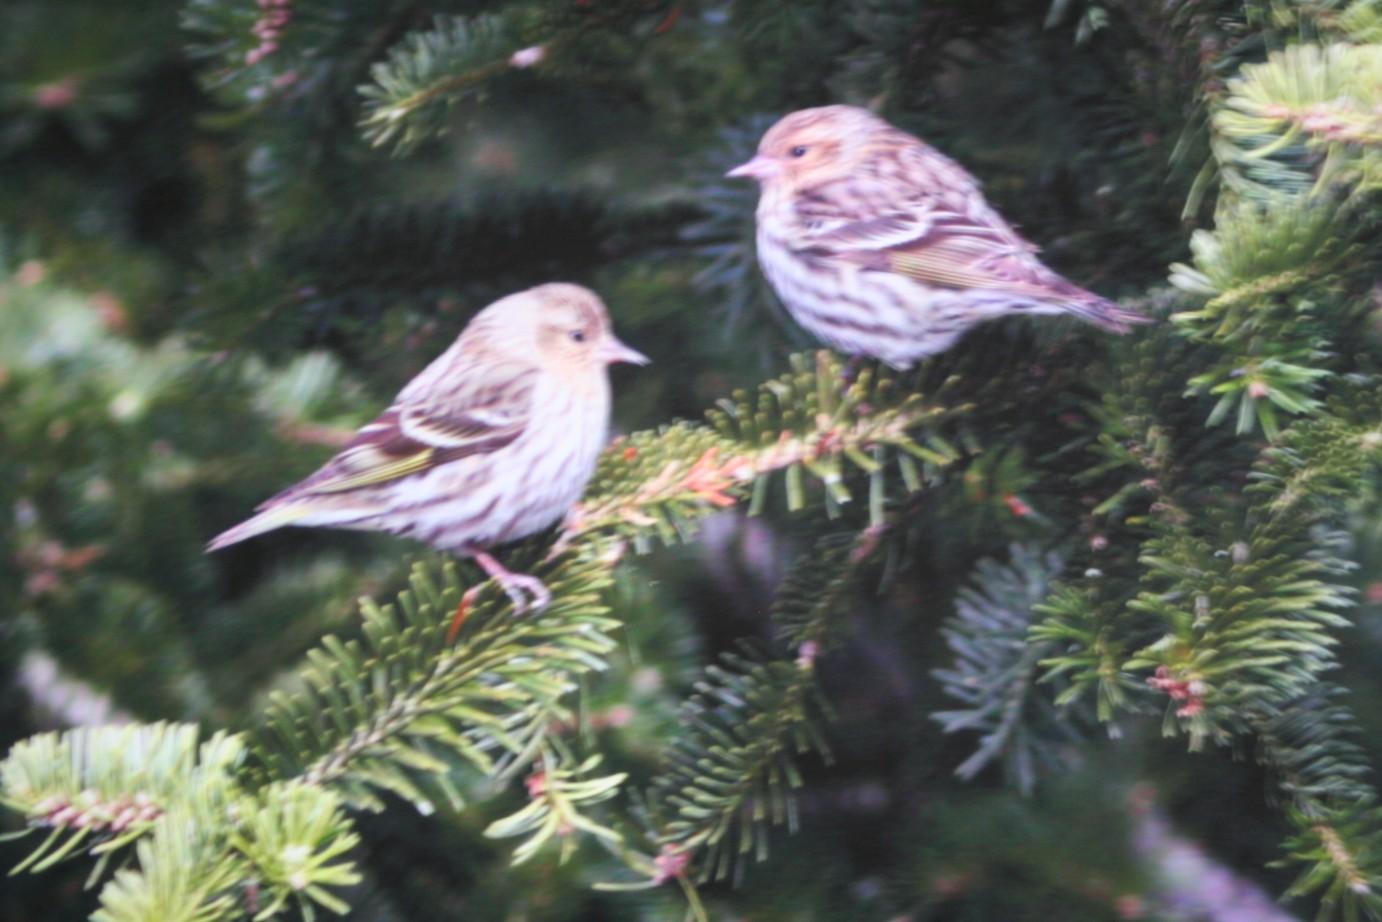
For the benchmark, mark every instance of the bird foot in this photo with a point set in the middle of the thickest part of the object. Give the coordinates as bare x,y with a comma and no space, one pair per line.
525,591
520,586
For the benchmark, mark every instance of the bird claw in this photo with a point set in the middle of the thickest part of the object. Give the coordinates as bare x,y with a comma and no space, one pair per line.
519,587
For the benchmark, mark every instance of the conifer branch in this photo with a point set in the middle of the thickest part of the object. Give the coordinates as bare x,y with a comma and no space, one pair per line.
428,73
96,789
806,425
997,669
382,712
1305,118
557,798
197,834
182,875
733,774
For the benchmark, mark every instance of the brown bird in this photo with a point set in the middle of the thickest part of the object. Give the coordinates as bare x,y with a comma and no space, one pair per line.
882,246
493,441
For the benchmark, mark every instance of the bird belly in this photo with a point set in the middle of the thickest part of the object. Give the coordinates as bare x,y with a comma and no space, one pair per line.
863,312
509,494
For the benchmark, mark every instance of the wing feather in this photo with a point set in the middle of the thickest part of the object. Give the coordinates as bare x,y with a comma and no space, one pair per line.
488,412
936,229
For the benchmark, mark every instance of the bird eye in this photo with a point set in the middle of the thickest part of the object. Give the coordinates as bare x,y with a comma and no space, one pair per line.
578,336
799,151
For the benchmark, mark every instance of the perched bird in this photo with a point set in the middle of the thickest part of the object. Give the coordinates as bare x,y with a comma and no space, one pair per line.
882,246
493,441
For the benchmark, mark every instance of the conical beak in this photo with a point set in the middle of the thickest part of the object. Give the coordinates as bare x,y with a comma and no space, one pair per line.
614,351
759,168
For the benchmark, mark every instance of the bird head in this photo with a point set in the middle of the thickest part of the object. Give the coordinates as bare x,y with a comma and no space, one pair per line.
566,328
812,146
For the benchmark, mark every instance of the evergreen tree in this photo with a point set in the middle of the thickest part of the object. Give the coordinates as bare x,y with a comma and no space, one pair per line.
1014,635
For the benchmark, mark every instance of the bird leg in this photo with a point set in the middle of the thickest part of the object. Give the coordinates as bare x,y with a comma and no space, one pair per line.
851,369
515,584
462,612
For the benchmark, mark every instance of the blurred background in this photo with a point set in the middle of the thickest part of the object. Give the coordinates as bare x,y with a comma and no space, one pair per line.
210,273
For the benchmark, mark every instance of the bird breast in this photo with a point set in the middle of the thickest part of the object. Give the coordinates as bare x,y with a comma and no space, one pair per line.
522,488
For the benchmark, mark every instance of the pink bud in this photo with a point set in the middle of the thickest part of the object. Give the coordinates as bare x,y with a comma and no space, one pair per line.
64,816
1017,506
670,863
621,715
528,57
1192,708
57,95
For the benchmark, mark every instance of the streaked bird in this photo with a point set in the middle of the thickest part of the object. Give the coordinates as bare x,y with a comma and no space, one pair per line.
881,246
493,441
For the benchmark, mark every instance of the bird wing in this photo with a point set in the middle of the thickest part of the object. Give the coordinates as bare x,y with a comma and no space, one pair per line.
945,236
414,436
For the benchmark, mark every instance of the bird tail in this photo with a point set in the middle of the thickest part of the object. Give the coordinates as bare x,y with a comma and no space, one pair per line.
1104,313
271,518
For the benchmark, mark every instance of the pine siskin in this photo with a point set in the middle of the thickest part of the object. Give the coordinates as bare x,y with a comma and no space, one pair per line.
880,245
493,441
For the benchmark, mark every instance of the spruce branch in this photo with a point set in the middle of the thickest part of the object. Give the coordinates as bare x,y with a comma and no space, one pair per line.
97,789
997,669
558,796
427,73
1250,625
732,774
1252,608
1087,644
1311,748
381,712
293,836
1257,268
1305,118
183,874
1316,467
1343,864
197,834
1299,143
809,425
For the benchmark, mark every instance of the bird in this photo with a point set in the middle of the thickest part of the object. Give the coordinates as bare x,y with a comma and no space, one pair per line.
883,247
493,441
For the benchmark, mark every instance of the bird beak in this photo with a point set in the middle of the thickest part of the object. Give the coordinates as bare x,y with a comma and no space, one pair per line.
615,351
759,168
